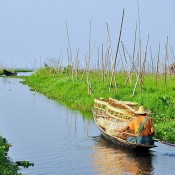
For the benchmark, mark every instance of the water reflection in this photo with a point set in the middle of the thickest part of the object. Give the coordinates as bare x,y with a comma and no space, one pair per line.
61,141
25,73
108,159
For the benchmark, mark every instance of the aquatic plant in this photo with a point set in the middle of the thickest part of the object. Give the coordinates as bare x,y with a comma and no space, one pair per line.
7,166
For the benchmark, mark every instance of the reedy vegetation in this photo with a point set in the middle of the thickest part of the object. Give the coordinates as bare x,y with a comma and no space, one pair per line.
59,85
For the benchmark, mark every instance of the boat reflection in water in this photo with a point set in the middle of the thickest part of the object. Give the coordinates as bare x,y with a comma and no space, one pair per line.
108,159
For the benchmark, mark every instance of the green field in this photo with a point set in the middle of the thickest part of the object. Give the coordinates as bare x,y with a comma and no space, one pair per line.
78,90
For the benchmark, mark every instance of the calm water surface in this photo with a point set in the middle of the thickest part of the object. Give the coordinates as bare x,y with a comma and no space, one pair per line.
60,141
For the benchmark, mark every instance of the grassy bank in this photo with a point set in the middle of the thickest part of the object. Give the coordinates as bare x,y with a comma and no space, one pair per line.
155,93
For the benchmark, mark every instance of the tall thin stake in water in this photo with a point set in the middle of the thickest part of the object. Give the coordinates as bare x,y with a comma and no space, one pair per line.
152,63
128,74
166,60
110,56
88,62
77,64
157,70
133,56
69,51
103,66
140,48
143,68
115,60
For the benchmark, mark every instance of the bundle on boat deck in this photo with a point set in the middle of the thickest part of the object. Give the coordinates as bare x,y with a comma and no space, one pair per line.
113,115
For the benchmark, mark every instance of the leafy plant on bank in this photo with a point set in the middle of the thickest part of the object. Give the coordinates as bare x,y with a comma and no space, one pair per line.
7,166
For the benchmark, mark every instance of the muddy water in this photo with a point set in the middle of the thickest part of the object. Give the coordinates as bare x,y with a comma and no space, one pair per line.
60,141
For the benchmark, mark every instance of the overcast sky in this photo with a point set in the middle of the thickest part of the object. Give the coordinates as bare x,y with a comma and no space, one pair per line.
33,31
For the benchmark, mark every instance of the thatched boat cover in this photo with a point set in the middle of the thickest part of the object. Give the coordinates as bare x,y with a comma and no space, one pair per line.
115,108
101,101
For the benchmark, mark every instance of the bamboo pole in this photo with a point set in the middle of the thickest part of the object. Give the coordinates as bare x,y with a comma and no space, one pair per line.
157,70
140,75
128,77
133,55
140,50
152,63
123,67
135,38
133,93
77,65
88,61
70,53
143,68
69,47
165,68
56,68
67,68
114,64
60,62
98,62
103,67
133,64
109,48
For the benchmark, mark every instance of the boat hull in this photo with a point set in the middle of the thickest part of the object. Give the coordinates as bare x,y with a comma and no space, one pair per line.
120,141
8,73
124,143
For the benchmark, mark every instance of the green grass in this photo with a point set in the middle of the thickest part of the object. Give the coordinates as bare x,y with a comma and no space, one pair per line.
159,98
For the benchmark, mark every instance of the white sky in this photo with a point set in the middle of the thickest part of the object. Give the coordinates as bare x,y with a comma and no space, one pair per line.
35,30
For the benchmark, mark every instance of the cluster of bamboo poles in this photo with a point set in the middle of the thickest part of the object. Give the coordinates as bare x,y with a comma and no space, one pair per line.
138,65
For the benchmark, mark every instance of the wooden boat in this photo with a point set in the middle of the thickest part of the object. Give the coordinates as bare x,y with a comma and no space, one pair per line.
111,115
8,73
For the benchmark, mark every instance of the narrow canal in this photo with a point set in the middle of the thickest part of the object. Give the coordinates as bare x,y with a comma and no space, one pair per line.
60,141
